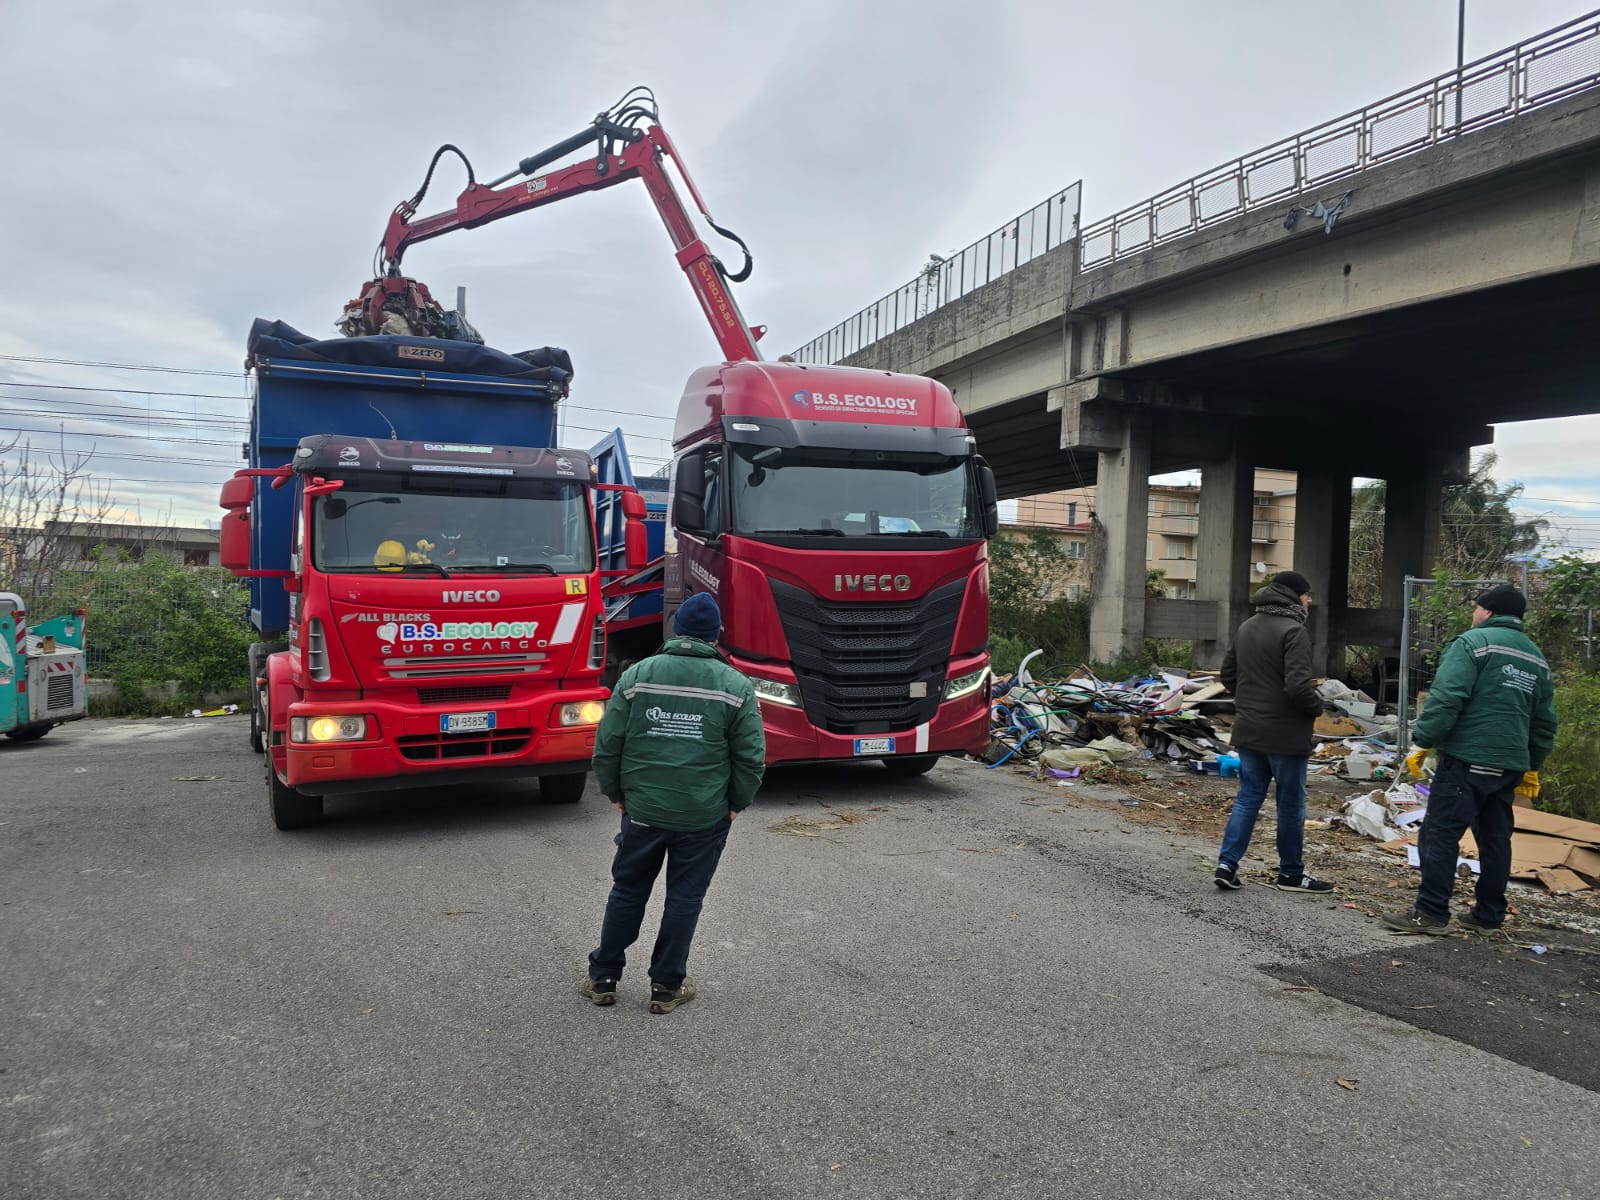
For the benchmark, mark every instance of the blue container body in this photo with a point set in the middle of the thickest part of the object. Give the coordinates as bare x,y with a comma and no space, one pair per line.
610,456
297,395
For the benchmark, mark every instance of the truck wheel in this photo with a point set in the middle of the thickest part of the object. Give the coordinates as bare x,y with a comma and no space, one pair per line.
911,764
563,789
257,656
31,734
291,808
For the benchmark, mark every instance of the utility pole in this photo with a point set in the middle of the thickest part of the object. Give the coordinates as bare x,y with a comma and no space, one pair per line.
1461,54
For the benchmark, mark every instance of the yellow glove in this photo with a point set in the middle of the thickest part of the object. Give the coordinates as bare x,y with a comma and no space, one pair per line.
1414,760
1528,789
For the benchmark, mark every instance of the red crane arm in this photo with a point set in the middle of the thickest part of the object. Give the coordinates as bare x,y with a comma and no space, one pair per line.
642,158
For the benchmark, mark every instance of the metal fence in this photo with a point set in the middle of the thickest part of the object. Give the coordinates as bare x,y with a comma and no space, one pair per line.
1539,71
1042,228
1435,612
140,622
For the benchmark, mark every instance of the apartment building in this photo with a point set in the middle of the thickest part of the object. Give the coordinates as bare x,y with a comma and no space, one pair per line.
1172,537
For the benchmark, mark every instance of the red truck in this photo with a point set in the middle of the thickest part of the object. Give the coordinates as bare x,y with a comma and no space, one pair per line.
839,516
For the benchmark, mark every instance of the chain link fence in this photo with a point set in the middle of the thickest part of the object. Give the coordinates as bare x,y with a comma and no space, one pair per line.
152,621
1435,611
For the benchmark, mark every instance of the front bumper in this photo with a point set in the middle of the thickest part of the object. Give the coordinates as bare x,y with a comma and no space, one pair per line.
959,726
405,748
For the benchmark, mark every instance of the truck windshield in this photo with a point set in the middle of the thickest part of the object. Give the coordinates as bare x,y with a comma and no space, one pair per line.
854,494
441,525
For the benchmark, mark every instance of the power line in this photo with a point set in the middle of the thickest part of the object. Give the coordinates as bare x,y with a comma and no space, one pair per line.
78,362
121,391
82,387
145,437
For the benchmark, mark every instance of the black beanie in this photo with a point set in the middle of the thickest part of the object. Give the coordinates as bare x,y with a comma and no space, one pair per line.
1294,581
1504,601
698,617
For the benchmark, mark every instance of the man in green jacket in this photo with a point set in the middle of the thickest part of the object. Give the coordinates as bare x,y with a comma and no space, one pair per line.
680,753
1491,717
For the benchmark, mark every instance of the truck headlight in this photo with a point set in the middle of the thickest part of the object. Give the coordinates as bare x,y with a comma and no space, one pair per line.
327,729
777,693
581,712
963,685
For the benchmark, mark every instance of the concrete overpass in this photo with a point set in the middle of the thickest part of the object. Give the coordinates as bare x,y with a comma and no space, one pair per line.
1364,299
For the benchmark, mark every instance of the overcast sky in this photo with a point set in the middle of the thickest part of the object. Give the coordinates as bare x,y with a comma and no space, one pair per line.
173,170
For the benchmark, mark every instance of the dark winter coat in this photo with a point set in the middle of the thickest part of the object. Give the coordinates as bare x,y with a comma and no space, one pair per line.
1268,670
1492,703
681,743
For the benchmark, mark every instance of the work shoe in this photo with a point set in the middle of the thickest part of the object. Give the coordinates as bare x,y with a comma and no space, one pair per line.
1227,877
664,1000
601,991
1412,921
1469,921
1304,884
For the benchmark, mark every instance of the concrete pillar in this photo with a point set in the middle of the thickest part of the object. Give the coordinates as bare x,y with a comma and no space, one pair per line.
1410,525
1122,507
1338,585
1222,576
1313,553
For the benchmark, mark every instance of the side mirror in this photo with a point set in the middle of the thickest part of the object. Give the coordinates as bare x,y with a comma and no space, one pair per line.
233,548
689,492
636,549
989,498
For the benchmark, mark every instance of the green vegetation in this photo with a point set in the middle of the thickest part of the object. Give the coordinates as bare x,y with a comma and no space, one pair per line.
153,621
1570,778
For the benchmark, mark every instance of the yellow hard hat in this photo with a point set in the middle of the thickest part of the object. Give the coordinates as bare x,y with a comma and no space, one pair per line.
391,556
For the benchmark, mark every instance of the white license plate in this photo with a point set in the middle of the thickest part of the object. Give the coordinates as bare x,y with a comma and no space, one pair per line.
874,745
466,722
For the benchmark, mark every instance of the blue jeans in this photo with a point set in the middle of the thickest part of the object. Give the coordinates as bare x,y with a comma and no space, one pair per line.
1466,797
691,860
1256,771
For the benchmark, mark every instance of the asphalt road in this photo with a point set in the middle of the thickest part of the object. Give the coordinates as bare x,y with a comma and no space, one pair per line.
979,990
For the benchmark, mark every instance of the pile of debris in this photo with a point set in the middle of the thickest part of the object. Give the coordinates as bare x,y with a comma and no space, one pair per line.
1083,721
1560,853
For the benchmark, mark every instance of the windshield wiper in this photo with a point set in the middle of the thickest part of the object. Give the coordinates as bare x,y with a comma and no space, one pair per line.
544,567
914,533
793,532
397,568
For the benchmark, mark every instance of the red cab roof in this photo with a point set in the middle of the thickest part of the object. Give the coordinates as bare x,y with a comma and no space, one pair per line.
800,392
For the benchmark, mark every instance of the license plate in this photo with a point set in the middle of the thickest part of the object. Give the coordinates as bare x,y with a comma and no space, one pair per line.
466,722
874,745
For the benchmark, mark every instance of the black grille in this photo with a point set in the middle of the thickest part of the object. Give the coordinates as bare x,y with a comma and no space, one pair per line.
464,695
58,692
857,662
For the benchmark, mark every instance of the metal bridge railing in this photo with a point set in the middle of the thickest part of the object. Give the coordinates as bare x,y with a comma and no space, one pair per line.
1042,228
1531,74
1539,71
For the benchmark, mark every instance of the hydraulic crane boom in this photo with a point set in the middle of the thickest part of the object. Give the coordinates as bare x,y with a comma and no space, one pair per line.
644,149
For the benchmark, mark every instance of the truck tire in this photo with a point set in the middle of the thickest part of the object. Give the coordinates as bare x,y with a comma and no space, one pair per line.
910,764
563,789
257,656
31,733
291,808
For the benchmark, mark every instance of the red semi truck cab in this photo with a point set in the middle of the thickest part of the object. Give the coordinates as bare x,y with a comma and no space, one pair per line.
446,621
839,517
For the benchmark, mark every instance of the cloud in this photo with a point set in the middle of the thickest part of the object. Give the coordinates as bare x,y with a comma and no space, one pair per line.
186,167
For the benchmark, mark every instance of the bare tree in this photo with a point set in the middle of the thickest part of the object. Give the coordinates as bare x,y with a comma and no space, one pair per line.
44,493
